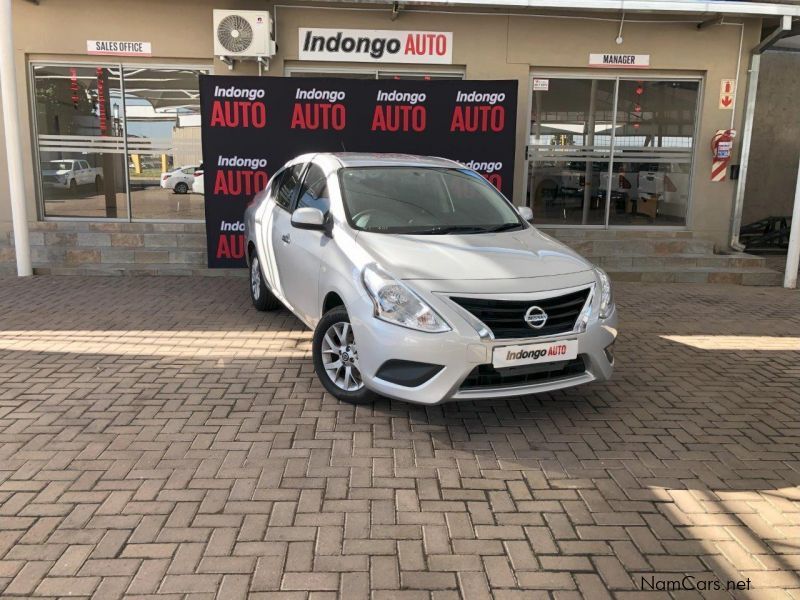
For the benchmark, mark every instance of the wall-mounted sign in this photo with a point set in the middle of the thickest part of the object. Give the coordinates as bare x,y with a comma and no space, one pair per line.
727,88
620,61
541,85
118,48
376,45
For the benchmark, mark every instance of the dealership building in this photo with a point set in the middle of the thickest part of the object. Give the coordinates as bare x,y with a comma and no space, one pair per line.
634,119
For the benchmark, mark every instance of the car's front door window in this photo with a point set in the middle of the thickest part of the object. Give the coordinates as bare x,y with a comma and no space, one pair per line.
314,191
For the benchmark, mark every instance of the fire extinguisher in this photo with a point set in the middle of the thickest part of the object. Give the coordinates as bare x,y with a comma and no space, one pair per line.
721,151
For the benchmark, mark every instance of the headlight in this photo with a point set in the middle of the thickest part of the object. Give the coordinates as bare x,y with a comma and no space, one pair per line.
606,295
397,304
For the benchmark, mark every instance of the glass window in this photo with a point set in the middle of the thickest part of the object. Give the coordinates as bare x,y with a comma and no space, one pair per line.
290,179
83,125
314,191
424,201
574,176
162,116
81,145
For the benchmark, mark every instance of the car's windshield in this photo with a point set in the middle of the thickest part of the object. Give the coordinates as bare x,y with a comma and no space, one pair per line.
61,166
419,200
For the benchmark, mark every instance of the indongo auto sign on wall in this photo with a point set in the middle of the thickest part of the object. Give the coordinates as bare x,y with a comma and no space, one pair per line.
376,46
252,125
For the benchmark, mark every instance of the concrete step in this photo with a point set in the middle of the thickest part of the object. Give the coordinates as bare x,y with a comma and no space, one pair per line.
614,234
718,261
732,275
641,246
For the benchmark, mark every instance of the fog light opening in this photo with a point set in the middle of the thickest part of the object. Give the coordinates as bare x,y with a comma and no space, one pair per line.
609,350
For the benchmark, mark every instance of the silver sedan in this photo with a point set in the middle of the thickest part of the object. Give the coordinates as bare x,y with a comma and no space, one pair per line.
423,283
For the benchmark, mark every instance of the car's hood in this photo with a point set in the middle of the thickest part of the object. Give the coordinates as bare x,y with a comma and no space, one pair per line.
507,255
55,171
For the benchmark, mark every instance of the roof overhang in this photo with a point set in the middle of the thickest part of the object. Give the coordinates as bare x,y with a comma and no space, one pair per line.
694,7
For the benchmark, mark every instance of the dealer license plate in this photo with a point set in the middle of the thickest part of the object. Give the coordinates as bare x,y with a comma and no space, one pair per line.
534,354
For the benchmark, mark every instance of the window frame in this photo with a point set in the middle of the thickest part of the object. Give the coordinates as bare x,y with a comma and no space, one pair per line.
34,133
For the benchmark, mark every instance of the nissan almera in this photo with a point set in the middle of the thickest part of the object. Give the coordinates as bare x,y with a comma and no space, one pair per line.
423,283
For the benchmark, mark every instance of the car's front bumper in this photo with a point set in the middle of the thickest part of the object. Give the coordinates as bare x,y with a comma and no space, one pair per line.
460,351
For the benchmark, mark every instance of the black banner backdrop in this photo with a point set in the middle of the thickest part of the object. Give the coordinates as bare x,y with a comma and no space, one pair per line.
252,125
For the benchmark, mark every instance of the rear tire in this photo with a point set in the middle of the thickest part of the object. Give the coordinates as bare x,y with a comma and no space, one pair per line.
336,358
98,184
181,188
262,298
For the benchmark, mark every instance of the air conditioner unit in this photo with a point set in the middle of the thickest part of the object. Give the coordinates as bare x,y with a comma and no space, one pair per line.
243,34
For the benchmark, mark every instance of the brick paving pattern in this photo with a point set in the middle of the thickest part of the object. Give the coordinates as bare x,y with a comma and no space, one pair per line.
158,437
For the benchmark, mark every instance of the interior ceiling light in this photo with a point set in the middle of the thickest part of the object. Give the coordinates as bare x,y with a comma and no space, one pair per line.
619,39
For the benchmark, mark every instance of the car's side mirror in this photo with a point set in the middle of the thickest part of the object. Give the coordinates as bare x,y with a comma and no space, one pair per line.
308,218
525,212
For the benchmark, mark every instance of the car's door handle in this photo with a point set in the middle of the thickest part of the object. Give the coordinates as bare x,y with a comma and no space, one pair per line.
287,239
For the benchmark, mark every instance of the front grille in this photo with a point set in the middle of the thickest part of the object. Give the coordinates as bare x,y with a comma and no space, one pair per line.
506,318
486,376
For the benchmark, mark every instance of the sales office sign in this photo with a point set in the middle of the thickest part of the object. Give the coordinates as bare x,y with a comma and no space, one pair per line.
118,48
376,46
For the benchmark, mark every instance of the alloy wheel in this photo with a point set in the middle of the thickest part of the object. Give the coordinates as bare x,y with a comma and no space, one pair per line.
340,357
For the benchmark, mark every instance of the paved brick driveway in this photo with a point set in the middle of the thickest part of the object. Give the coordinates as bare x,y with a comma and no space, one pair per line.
159,437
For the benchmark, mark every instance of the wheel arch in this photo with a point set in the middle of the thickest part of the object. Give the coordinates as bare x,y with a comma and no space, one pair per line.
332,300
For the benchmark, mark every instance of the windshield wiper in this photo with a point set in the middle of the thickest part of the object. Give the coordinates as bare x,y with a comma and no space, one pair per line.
444,229
503,227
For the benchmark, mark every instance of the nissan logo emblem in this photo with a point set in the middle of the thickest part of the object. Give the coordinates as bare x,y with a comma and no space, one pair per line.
535,317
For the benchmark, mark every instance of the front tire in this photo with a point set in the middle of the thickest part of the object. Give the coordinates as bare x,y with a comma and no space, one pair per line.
262,298
336,358
181,188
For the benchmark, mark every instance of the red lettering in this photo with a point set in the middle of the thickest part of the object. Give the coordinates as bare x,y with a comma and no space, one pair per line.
221,184
441,45
239,113
239,183
319,116
223,248
410,44
217,119
399,117
420,44
478,118
495,179
231,245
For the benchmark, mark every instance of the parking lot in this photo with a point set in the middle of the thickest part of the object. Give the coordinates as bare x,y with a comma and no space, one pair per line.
161,437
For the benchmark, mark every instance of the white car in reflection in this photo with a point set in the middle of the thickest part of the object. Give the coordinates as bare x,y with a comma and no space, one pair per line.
179,180
198,186
423,283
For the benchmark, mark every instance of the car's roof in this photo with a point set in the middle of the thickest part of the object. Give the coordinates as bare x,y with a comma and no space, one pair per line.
366,159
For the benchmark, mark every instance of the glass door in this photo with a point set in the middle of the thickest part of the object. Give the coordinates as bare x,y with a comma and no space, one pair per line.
570,146
611,151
